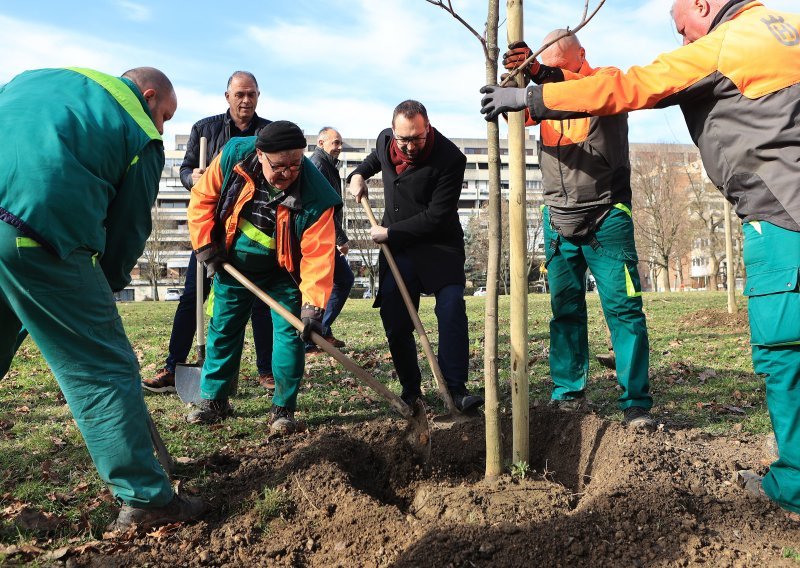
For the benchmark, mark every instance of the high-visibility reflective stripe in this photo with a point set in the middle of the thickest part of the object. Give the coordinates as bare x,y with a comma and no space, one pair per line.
623,207
210,302
254,234
756,225
26,242
124,96
94,258
629,287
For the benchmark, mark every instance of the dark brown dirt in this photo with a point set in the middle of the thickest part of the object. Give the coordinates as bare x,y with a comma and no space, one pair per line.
599,495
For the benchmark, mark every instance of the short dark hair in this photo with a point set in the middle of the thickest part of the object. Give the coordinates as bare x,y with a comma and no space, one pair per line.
410,109
241,74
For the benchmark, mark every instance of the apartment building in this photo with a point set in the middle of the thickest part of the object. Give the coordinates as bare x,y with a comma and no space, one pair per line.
700,264
163,265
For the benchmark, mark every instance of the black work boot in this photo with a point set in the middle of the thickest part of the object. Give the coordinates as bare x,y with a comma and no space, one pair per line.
210,411
466,402
283,422
181,508
638,417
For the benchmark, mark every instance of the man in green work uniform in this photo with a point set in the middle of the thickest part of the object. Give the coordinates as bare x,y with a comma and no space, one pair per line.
264,208
736,79
79,173
587,223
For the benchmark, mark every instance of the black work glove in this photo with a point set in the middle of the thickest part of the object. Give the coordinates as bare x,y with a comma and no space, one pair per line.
517,53
502,99
311,316
213,260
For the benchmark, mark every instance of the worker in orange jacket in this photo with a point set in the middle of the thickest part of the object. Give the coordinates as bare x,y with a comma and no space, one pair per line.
265,209
737,80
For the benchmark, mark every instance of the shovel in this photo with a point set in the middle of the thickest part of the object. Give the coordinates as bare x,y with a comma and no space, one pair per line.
453,414
187,376
162,453
418,433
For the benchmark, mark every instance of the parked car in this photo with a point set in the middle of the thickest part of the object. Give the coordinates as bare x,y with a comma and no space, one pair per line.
367,294
173,294
480,292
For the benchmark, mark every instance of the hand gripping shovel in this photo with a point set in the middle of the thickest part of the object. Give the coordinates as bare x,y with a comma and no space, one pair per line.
453,414
418,434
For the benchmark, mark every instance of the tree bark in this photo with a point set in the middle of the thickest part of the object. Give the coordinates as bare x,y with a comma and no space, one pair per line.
494,464
518,237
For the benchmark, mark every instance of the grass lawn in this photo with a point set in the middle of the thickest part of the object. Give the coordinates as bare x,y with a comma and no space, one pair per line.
701,376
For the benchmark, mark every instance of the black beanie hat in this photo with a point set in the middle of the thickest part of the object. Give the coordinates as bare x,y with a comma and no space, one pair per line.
279,136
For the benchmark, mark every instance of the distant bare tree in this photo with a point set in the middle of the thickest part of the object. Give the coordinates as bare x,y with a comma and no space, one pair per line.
361,243
155,251
660,203
708,220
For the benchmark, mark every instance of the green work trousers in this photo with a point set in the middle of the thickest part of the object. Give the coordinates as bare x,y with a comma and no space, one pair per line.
232,307
772,260
69,310
610,253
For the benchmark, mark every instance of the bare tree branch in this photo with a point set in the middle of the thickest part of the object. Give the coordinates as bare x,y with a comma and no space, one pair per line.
450,10
536,54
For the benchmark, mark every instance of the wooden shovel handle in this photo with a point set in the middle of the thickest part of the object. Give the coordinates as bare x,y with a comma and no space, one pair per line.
200,277
433,362
396,402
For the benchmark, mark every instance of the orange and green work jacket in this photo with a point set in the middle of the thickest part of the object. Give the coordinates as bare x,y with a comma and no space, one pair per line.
304,238
739,90
585,165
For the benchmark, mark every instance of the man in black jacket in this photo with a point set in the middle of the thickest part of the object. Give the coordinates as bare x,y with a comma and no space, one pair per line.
422,176
239,120
326,158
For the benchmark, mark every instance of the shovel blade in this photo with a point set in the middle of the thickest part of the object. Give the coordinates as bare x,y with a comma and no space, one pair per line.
418,431
187,382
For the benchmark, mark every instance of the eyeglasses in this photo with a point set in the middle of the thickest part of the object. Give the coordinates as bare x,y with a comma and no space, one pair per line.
281,169
410,139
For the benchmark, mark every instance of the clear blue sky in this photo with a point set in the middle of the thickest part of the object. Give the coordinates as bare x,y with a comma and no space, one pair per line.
340,62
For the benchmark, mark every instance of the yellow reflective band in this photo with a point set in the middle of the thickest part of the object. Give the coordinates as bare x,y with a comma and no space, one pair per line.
756,225
118,89
26,242
256,235
94,259
623,208
210,302
630,289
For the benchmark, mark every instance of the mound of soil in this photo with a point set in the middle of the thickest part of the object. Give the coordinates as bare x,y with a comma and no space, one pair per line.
598,494
716,318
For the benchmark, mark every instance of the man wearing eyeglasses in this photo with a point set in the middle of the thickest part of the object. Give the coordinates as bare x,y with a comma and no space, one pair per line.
422,176
264,208
239,120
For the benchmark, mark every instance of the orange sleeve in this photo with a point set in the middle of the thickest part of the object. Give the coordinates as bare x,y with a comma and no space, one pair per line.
610,91
317,247
203,204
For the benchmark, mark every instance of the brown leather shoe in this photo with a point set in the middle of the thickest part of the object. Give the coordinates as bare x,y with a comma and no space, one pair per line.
338,343
164,381
267,381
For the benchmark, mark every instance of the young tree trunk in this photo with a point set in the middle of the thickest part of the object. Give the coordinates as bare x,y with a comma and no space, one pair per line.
731,281
519,281
494,465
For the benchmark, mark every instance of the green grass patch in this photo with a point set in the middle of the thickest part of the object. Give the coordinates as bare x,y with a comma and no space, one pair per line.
700,368
272,504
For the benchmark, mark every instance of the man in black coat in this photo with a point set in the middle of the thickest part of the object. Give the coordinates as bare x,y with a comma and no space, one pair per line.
326,158
422,176
239,120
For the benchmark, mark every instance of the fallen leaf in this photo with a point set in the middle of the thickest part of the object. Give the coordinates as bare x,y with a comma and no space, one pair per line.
22,409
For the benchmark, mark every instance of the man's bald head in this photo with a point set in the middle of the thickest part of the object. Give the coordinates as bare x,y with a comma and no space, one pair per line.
567,53
693,17
158,92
